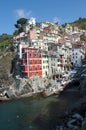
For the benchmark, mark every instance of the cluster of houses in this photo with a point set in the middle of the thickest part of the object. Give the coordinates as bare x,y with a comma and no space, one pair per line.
44,51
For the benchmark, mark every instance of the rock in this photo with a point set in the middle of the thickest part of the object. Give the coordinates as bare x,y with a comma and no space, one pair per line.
78,116
5,64
70,124
10,94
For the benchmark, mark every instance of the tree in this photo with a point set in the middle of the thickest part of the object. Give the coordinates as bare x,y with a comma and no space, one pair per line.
15,32
5,41
22,21
19,25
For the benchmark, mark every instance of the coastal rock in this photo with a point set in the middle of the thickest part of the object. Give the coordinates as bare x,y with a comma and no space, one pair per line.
27,85
5,65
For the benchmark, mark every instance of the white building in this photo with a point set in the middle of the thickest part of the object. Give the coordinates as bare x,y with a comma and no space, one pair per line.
31,22
77,56
39,44
45,67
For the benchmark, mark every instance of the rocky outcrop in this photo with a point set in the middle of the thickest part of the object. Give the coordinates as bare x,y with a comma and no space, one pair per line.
5,65
35,84
27,87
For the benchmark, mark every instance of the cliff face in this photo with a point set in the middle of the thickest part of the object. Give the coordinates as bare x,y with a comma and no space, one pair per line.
6,64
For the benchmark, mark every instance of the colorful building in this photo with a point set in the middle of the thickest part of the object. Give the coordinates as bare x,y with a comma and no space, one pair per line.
31,62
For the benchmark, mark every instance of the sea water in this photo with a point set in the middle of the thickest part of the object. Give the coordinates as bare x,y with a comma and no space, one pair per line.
33,113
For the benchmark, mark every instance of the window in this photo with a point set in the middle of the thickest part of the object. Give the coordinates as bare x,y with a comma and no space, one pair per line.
43,67
35,54
30,54
30,67
30,61
40,67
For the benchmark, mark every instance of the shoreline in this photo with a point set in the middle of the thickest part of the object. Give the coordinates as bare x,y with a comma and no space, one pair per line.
52,90
44,93
31,94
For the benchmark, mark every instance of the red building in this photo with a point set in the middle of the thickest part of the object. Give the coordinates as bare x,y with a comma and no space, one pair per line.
31,62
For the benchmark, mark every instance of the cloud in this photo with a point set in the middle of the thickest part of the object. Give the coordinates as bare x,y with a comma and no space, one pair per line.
22,13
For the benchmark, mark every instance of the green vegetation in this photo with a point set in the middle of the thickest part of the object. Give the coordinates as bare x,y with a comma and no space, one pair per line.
6,41
80,23
20,23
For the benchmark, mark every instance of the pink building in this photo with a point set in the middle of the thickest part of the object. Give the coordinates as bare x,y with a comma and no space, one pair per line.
33,34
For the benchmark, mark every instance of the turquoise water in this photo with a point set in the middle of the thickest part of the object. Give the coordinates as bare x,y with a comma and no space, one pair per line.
25,114
32,114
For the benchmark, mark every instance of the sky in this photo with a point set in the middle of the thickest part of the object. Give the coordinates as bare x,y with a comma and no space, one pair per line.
63,11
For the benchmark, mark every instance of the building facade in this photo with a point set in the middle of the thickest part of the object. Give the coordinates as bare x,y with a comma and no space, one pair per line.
76,57
31,62
45,64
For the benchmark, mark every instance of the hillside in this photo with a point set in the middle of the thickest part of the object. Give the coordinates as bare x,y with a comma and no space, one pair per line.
6,42
80,23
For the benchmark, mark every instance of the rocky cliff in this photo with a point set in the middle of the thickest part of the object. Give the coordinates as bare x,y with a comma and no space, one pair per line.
5,66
